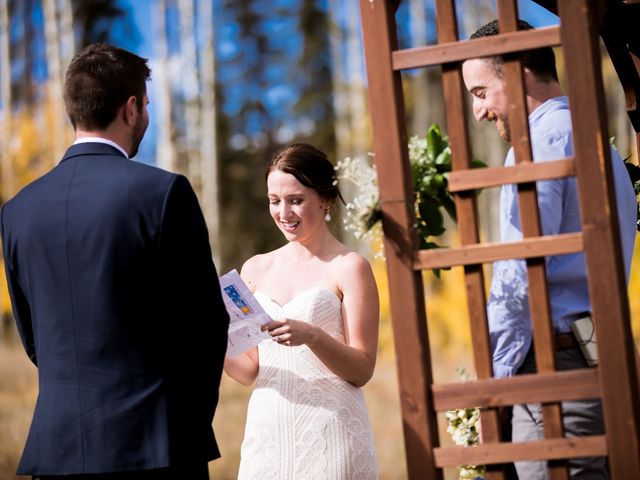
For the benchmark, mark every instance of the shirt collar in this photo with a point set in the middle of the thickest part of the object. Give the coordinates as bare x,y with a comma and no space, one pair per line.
101,140
555,103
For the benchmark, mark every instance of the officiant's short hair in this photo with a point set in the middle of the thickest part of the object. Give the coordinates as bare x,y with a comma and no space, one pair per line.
310,166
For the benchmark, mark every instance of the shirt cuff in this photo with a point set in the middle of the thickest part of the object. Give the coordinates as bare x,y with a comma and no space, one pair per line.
501,371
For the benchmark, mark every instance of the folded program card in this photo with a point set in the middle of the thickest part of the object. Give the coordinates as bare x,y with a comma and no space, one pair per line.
245,313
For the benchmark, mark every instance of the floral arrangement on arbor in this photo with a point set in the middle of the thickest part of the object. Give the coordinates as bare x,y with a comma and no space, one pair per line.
463,424
430,160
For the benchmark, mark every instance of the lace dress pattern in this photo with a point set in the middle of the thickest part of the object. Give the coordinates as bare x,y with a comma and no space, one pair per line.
304,422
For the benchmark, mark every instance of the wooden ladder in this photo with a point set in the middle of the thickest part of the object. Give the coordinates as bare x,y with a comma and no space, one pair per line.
615,379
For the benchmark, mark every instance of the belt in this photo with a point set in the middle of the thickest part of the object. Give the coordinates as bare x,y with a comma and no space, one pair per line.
566,341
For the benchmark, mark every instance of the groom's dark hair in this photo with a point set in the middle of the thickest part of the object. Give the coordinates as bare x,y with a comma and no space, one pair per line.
310,166
99,80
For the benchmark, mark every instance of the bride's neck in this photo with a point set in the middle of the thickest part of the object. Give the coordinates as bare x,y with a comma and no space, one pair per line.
312,248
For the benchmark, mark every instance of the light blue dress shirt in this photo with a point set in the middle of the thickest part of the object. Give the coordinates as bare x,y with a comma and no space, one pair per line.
508,307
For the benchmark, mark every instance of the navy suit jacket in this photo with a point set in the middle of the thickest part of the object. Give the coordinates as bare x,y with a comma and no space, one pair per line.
118,304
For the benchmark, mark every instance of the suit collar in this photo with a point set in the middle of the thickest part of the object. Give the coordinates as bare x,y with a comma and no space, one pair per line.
92,148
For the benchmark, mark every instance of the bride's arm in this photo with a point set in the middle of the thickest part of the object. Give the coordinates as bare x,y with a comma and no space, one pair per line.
244,367
355,359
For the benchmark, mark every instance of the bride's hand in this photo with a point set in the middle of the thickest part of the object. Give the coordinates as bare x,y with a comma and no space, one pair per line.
291,333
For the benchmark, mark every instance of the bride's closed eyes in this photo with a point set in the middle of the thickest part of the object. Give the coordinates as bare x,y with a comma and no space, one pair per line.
292,201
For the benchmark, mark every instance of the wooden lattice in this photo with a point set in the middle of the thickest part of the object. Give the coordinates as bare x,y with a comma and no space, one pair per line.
615,380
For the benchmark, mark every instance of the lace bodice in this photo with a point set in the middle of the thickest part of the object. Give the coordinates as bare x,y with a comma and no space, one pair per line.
304,422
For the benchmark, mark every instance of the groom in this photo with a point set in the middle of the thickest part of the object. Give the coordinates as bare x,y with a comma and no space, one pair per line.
115,295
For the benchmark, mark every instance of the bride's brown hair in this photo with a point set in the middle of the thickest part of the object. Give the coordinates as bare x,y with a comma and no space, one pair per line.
310,166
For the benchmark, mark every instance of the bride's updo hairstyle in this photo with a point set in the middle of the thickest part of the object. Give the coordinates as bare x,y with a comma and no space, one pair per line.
309,166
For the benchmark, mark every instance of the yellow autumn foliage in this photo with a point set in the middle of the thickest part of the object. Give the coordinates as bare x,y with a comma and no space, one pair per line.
30,152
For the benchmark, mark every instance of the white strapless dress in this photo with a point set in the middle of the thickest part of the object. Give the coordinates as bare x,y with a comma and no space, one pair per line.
303,421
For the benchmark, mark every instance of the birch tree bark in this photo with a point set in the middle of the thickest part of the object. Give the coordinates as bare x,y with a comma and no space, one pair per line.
166,150
54,81
338,73
419,82
358,112
208,133
6,161
190,90
67,38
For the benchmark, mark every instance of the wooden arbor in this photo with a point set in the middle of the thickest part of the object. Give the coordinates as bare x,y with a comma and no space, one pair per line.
614,380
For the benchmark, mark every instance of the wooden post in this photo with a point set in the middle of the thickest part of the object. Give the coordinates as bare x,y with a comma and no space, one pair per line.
539,306
467,213
607,283
396,200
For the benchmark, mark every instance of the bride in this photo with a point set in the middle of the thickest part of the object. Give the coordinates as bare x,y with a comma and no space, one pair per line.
307,417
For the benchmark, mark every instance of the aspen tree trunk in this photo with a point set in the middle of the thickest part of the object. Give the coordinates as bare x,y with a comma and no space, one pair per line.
6,160
68,50
7,177
67,38
190,89
208,133
358,112
340,102
166,150
421,96
54,83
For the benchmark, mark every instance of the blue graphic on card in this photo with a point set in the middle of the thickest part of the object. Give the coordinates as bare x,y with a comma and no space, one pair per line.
237,299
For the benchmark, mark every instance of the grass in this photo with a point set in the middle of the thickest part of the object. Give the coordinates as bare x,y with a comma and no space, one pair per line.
18,392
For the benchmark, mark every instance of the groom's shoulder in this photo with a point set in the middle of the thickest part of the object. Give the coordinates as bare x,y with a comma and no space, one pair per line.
148,178
152,172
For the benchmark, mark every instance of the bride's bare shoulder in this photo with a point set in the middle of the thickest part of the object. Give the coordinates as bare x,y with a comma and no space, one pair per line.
350,260
255,268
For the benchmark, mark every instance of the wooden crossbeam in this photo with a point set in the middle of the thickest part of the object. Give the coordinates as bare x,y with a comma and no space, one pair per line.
548,449
499,392
522,173
533,247
481,47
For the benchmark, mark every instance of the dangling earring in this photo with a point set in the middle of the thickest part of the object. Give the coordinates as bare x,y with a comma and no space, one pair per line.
327,216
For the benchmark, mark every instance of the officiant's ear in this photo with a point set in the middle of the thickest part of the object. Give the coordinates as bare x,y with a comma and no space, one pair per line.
131,110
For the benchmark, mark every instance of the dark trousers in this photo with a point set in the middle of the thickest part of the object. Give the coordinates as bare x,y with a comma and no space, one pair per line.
201,472
580,418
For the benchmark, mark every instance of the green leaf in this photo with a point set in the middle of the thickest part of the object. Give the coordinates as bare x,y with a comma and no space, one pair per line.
444,158
450,206
432,217
435,145
373,216
478,164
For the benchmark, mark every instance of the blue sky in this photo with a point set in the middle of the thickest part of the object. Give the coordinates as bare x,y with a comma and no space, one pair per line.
280,94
